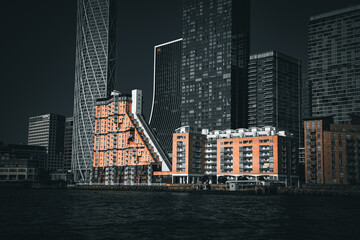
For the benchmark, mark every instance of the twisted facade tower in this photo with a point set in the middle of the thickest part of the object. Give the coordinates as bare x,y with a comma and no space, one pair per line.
94,76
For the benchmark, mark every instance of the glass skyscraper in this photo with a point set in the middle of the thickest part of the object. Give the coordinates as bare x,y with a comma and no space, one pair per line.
334,63
274,92
94,76
215,55
165,112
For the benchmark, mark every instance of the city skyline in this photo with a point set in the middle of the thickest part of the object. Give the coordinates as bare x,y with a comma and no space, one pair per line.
39,61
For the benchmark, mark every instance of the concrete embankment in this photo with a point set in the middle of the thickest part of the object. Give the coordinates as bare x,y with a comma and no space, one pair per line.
348,191
320,192
194,188
223,189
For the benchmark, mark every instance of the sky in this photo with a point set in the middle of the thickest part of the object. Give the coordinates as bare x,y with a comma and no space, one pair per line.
37,49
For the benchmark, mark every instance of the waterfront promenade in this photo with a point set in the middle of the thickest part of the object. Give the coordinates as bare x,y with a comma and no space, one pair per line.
328,191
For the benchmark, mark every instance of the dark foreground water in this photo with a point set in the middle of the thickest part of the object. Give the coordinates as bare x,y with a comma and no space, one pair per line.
64,214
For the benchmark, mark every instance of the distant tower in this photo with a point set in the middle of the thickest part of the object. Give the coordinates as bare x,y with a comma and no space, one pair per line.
215,56
165,112
48,131
94,76
334,63
274,92
69,122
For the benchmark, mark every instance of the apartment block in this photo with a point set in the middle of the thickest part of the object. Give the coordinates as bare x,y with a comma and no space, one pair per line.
273,157
332,151
274,92
232,154
334,63
188,155
214,63
125,148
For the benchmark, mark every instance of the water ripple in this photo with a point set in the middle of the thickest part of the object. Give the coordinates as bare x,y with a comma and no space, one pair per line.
93,215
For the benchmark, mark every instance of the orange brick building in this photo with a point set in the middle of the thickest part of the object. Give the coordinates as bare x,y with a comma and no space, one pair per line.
332,152
250,153
188,160
125,149
271,157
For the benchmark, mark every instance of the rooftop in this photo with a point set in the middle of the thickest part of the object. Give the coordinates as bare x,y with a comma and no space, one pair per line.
335,12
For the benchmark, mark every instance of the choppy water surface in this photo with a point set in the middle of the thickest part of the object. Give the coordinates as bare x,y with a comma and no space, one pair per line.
63,214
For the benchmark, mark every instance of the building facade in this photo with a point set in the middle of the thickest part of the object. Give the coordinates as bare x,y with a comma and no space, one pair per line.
94,76
214,64
125,150
21,162
274,158
274,92
232,154
48,131
334,63
69,122
332,151
211,152
165,111
188,155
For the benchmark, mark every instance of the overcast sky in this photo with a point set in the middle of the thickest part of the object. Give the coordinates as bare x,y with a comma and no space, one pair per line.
38,38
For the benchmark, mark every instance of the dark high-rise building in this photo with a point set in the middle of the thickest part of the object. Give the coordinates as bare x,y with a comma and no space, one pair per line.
274,92
334,63
165,112
94,76
69,122
215,55
305,98
48,131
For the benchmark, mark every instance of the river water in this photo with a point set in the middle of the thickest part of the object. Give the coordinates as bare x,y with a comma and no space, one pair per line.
65,214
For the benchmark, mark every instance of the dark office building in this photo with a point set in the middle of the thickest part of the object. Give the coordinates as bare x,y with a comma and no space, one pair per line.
215,55
165,112
94,76
48,131
334,63
305,107
21,162
274,92
69,122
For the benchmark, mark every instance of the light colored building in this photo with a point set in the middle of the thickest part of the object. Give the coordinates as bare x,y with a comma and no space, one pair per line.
94,76
48,131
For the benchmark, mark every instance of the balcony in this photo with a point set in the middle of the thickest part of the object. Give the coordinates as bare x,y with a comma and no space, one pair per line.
211,151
